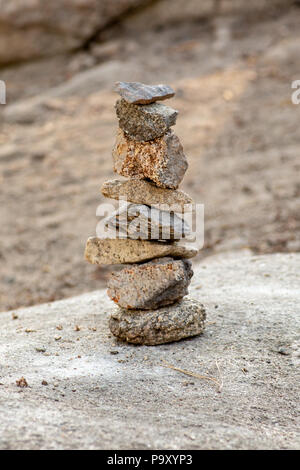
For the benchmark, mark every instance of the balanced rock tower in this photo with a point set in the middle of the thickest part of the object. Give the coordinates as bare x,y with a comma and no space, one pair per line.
146,233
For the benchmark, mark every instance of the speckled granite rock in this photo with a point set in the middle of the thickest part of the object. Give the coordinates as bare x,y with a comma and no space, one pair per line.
144,192
141,222
164,325
139,93
120,251
150,285
145,122
162,160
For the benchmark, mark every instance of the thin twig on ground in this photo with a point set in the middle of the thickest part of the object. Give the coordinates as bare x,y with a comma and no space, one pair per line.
219,382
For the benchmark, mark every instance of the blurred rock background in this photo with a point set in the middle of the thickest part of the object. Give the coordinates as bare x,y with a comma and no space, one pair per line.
231,63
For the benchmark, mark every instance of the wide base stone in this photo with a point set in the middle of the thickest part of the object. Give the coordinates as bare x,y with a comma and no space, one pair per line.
164,325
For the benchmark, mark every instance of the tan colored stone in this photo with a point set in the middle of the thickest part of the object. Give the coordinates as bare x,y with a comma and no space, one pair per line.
144,192
120,251
161,160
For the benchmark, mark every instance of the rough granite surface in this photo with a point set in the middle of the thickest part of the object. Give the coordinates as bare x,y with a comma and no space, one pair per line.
139,93
150,285
143,192
140,222
166,324
145,122
161,160
120,251
104,394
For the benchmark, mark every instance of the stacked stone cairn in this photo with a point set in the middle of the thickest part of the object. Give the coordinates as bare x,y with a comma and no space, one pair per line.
149,290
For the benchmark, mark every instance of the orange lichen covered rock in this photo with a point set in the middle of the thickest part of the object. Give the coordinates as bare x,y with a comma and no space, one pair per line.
161,160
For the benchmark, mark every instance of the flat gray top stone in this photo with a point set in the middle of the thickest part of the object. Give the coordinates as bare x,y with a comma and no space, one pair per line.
139,93
117,396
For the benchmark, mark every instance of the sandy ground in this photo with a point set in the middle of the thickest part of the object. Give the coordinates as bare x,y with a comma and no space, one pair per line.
237,124
98,393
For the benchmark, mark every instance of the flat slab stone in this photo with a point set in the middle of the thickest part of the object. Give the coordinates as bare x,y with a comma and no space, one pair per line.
143,192
167,324
162,160
138,93
94,380
145,122
120,251
140,222
150,285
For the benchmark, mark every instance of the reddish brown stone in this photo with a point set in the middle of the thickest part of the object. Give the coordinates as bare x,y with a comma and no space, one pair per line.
161,160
